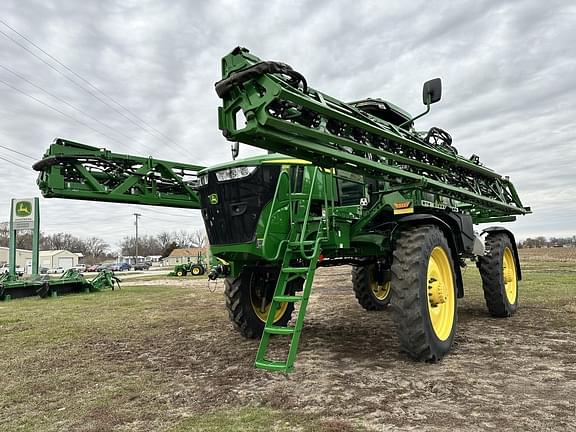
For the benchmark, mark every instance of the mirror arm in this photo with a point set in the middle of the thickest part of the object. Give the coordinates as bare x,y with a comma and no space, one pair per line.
407,122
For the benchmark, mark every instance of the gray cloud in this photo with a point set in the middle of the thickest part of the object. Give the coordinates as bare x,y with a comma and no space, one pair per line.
509,72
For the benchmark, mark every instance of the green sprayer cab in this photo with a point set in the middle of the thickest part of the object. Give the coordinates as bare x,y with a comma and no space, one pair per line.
345,184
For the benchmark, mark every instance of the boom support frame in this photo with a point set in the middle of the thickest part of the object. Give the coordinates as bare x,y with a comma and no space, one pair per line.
283,114
77,171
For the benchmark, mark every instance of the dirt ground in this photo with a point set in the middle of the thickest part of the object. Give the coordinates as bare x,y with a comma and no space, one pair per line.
503,374
517,374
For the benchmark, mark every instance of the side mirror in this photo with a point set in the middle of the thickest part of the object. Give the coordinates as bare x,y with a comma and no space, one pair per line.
432,91
235,148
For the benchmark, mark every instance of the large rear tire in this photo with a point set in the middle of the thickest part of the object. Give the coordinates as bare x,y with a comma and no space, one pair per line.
372,292
424,293
499,276
196,270
248,300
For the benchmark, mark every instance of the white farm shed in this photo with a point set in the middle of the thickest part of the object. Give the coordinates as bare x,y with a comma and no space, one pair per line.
58,258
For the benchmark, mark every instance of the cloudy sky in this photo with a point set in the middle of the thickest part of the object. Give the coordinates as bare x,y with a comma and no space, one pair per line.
508,71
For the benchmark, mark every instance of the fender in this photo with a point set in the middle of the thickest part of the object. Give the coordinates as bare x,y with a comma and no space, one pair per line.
421,219
496,229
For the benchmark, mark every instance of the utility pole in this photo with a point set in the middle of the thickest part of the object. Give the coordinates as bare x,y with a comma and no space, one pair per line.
136,215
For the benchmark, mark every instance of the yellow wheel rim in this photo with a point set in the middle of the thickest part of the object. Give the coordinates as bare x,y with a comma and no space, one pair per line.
179,273
261,307
195,271
440,290
380,291
509,276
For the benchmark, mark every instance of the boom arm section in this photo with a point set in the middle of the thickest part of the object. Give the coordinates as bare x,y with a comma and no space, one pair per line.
77,171
283,114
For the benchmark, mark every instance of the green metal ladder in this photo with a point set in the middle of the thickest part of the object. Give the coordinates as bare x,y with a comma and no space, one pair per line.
308,251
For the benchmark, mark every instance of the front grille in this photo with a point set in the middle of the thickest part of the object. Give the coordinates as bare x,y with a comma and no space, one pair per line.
232,216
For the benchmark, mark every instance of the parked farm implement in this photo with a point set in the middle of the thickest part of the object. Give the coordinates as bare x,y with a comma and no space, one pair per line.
346,184
71,281
25,215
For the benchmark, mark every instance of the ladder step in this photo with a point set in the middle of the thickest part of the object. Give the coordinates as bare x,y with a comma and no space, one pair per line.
299,196
273,365
305,243
279,330
287,298
310,219
295,270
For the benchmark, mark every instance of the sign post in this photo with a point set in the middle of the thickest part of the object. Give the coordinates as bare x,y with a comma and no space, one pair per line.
25,215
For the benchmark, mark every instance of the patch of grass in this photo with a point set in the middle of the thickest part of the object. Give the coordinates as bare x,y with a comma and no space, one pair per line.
547,282
159,357
260,419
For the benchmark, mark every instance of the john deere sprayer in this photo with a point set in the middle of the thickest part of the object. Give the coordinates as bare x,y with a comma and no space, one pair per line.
342,184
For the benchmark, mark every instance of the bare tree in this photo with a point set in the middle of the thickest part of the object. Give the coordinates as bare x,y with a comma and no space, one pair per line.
95,249
199,238
165,239
147,245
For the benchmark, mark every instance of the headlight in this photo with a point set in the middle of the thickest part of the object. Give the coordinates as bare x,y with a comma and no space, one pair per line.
234,173
203,180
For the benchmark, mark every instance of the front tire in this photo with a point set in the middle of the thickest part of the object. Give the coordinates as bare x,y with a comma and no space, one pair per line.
372,294
248,300
424,293
499,276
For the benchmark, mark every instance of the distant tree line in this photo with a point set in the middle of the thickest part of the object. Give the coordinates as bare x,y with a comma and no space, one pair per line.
96,249
164,243
543,242
93,248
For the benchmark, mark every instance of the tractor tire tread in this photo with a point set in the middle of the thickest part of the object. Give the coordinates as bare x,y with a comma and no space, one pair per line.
362,291
490,266
234,308
405,300
247,324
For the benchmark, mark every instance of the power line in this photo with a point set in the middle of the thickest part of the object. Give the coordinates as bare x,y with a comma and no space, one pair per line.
64,101
16,164
17,158
17,152
59,111
85,80
161,212
159,219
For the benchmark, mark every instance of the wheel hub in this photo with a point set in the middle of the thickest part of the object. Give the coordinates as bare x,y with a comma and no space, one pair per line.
437,292
381,291
508,275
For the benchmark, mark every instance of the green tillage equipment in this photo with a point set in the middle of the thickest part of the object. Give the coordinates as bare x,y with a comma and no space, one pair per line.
360,186
25,214
71,281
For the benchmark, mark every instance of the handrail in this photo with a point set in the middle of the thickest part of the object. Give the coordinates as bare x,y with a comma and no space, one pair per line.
284,178
307,214
283,174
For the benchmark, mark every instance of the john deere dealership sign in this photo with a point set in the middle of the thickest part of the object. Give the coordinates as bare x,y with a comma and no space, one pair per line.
23,214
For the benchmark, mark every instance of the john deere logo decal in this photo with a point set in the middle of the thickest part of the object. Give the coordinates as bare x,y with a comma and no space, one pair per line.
213,199
23,208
